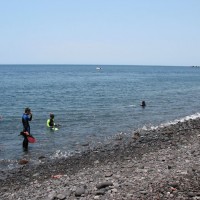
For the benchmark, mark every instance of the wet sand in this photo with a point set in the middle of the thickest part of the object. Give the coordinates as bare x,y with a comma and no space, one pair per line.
157,164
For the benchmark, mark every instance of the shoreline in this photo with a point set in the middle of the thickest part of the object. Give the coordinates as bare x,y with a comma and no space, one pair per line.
162,163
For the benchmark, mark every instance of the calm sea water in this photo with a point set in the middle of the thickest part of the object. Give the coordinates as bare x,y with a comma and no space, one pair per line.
90,104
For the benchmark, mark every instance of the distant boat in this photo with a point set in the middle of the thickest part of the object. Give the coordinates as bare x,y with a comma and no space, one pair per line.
98,68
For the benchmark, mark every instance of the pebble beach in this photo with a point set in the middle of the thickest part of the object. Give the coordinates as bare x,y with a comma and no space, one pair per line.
162,163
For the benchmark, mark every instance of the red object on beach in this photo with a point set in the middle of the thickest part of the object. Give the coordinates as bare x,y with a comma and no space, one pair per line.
56,176
31,139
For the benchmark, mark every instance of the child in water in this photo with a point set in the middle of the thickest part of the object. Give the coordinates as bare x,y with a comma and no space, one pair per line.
50,122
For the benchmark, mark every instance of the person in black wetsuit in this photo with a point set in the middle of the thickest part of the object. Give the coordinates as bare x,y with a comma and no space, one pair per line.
26,117
143,104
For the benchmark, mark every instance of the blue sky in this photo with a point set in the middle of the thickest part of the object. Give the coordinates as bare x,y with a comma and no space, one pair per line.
133,32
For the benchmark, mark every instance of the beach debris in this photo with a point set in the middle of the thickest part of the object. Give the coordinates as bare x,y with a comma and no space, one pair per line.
56,176
173,189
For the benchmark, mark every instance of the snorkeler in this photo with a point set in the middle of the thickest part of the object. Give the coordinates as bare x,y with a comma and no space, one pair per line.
143,104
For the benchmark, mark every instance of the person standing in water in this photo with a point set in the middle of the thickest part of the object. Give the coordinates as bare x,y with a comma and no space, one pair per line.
26,117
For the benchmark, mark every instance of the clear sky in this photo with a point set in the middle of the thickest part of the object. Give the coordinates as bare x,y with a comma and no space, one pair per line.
135,32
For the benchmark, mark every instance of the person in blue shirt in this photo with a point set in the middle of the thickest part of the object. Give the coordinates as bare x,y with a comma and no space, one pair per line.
26,117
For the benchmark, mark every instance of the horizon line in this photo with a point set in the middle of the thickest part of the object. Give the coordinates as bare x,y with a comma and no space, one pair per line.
110,65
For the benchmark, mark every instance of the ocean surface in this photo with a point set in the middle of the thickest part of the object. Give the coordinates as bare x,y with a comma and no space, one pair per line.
92,105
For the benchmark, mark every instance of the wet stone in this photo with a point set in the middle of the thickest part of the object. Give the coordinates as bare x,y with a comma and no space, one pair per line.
79,191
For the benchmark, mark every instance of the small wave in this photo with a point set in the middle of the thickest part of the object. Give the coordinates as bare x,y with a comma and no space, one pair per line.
184,119
132,105
150,127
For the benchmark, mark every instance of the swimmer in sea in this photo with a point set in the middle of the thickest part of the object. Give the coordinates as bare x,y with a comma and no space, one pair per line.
143,104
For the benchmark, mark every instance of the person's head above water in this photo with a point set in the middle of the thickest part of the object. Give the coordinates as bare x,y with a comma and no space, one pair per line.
51,115
143,104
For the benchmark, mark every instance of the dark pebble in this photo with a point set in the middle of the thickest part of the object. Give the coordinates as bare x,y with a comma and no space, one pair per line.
104,184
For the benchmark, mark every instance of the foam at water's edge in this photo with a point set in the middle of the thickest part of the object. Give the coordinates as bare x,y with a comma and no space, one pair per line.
184,119
60,154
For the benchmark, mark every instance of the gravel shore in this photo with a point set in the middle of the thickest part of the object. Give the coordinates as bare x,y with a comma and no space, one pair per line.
159,164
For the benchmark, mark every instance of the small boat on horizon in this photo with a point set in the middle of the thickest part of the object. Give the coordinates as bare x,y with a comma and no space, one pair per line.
98,68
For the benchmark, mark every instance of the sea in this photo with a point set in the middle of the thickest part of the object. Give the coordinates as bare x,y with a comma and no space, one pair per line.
92,103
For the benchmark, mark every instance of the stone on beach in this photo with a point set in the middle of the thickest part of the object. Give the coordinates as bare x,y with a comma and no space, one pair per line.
104,184
23,162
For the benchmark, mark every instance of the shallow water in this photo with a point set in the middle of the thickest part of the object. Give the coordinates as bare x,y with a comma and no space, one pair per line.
91,105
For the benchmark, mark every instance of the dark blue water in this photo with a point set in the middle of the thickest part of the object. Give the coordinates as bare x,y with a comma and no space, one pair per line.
91,105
